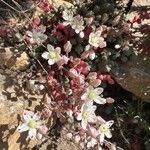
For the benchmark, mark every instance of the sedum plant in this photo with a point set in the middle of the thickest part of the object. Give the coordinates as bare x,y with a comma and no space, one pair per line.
79,46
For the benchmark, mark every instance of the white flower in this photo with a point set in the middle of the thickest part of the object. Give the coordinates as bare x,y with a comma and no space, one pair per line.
68,17
96,40
87,115
104,130
93,95
36,36
53,55
91,142
78,24
31,124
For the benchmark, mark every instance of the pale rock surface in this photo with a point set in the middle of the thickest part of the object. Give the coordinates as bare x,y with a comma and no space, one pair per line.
134,76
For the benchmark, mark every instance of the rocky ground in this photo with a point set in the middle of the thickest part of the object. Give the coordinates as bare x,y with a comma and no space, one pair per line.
17,93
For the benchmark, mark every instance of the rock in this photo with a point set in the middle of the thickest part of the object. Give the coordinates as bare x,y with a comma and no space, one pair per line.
11,61
141,3
9,110
22,62
14,141
134,76
6,54
2,81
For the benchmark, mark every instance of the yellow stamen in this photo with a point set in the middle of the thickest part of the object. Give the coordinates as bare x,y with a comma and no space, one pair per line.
91,95
94,39
32,124
103,128
53,55
85,114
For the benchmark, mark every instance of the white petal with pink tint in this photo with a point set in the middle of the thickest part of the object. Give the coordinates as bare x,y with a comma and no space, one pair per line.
100,100
45,55
32,133
23,128
108,134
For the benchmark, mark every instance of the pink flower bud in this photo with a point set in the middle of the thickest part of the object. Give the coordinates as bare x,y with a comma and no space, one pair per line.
3,32
43,130
73,73
81,34
35,22
110,100
89,20
116,20
67,47
85,55
100,120
104,18
92,132
126,28
95,82
92,75
46,113
81,132
63,60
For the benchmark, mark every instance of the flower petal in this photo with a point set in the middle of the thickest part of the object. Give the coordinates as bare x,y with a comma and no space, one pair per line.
108,134
45,55
91,119
36,117
27,115
101,138
84,124
99,90
110,123
50,47
32,133
23,127
58,49
93,108
100,100
77,31
91,143
51,61
100,120
39,136
79,117
84,96
90,88
92,55
92,132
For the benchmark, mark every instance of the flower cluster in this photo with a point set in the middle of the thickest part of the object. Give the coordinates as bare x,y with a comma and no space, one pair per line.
36,35
76,93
